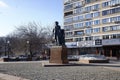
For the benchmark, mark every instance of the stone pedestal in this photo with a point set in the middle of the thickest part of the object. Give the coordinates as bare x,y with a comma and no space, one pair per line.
58,54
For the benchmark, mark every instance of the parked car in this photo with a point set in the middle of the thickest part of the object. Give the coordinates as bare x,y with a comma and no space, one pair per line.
73,57
22,57
4,57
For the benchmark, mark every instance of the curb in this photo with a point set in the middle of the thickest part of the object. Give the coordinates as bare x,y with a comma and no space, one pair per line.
10,77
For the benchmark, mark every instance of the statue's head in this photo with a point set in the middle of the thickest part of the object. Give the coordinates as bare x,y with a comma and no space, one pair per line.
56,22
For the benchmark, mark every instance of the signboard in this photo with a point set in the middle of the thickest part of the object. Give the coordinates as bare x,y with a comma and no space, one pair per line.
71,44
86,43
111,42
98,42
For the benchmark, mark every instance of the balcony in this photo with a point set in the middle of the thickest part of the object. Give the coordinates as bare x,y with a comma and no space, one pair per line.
68,36
94,9
115,5
75,0
66,10
68,2
87,26
116,22
85,11
78,35
81,28
88,34
88,18
91,1
70,13
77,7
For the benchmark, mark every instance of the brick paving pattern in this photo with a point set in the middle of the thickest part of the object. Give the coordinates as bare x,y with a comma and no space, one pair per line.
35,71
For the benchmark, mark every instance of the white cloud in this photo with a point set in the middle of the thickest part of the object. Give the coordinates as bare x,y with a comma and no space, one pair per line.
2,4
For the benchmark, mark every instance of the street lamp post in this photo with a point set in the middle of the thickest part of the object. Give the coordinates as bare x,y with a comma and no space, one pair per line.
5,48
8,48
29,48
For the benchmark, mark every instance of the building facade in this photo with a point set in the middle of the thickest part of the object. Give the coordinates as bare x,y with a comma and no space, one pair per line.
91,24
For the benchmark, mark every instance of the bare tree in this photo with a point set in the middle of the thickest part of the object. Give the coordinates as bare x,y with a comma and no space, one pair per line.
32,37
2,45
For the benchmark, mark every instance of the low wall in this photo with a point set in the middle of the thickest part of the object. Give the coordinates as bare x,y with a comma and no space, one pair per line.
94,61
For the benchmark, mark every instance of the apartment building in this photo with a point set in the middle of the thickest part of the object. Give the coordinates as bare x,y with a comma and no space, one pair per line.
92,26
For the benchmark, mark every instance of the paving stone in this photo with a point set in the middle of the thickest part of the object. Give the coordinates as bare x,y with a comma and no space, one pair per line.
35,71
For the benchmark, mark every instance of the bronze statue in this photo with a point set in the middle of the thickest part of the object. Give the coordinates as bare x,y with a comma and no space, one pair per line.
59,34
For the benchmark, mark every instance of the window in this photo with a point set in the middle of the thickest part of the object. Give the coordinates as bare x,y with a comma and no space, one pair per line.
96,14
105,36
88,16
105,29
106,12
68,20
113,36
81,17
89,23
79,33
69,27
78,25
106,20
111,11
113,28
68,7
88,31
88,38
118,18
111,19
88,8
96,22
95,7
68,34
114,2
77,4
79,39
118,35
87,1
118,27
96,30
76,18
78,10
105,4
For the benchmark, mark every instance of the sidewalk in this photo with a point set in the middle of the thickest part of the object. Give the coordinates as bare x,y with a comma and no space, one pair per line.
10,77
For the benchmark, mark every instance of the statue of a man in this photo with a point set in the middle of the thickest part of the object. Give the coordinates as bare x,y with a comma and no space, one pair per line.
57,31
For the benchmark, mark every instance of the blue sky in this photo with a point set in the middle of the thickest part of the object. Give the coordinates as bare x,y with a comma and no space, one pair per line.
17,12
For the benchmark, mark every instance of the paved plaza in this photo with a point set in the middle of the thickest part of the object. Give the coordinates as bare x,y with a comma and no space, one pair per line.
35,71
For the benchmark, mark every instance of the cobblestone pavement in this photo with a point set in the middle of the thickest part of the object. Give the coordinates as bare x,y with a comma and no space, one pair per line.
35,71
1,79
